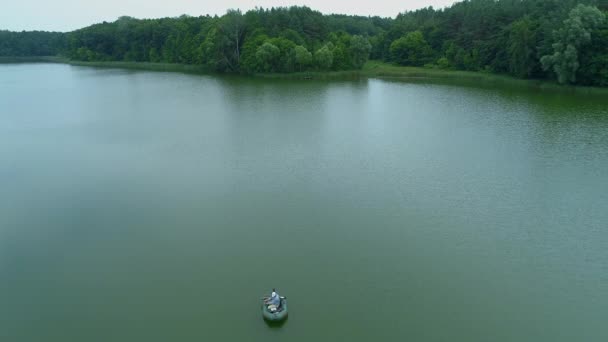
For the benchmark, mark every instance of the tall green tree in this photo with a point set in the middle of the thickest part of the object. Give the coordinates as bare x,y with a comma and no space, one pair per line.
231,32
522,48
360,49
217,52
287,61
268,57
594,59
249,61
324,57
411,49
575,34
303,57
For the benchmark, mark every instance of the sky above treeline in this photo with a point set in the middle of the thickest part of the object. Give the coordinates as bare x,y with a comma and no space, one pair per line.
68,15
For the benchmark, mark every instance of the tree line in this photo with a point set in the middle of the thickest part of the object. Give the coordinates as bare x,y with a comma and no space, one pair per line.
565,40
32,43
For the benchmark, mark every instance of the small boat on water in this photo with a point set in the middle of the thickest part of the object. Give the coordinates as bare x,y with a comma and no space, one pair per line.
274,313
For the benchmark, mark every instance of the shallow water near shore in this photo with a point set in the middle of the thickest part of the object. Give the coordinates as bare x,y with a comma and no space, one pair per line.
151,206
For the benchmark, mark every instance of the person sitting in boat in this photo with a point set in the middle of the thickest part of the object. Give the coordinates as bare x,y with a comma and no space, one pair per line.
274,299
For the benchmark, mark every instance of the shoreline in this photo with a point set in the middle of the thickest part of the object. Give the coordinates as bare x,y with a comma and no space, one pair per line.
382,70
371,69
149,66
32,59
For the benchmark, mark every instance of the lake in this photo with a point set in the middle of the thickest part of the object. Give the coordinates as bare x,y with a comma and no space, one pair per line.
148,206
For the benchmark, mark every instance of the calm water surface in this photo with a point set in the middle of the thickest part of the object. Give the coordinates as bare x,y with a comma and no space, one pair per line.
139,206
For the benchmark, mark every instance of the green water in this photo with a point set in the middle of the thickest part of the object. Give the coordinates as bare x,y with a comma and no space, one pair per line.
142,206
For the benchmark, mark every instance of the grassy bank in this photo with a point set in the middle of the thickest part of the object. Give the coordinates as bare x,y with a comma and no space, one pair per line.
189,68
377,69
316,75
33,59
169,67
381,69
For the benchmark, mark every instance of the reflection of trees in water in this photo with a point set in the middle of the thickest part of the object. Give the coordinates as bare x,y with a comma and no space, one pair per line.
256,94
547,96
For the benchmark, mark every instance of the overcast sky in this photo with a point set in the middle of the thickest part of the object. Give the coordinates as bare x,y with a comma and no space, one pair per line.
67,15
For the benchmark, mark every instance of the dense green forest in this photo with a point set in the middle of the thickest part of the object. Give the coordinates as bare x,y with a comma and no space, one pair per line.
565,40
33,43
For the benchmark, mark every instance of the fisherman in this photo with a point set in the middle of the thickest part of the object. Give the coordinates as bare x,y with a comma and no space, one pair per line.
274,299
